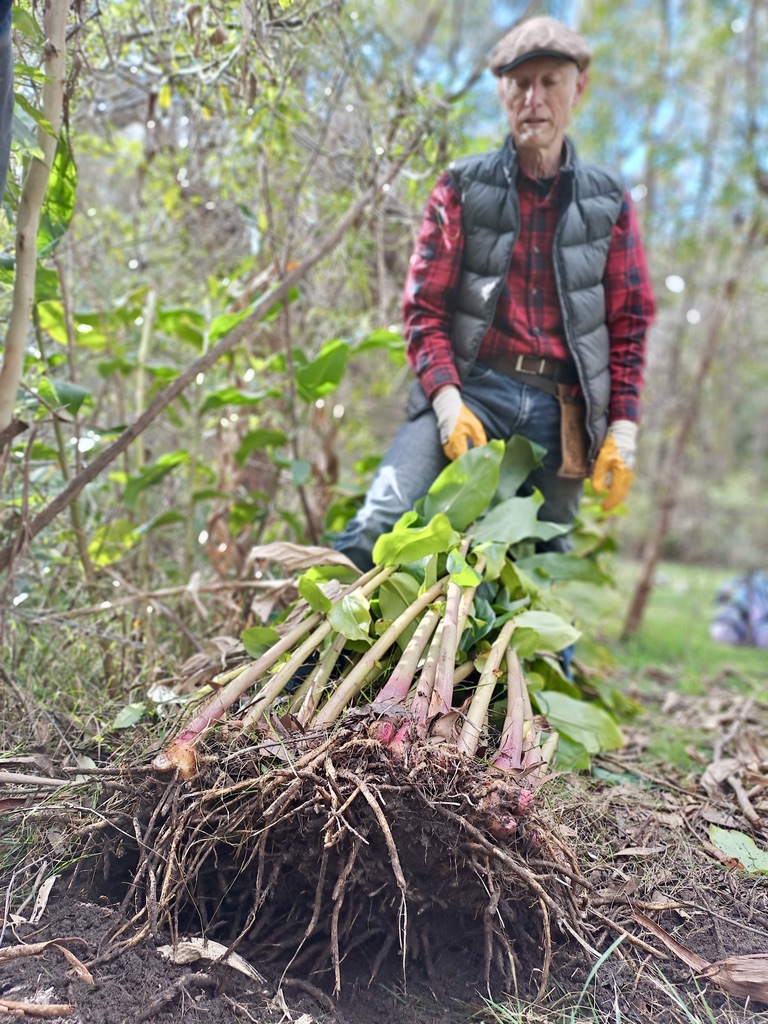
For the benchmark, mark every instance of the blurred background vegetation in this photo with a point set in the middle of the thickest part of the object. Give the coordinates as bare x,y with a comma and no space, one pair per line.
211,150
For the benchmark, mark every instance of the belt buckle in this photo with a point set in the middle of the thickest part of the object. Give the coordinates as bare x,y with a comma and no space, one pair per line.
519,368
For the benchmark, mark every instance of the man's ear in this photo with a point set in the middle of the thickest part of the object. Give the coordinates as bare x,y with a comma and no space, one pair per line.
581,86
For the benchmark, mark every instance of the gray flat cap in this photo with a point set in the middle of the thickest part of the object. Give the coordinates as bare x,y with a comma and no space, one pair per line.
538,37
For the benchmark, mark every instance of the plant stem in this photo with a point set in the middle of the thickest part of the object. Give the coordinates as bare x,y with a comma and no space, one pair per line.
399,683
180,753
473,723
510,753
442,691
423,696
305,699
281,679
357,677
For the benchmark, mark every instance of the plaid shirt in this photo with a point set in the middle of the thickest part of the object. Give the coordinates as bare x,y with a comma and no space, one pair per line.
527,318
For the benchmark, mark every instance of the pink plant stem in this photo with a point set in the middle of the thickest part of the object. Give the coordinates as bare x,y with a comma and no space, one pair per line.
357,678
399,683
426,680
471,730
442,692
179,754
510,753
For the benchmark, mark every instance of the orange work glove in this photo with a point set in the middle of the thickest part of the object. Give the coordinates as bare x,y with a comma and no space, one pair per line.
617,461
457,424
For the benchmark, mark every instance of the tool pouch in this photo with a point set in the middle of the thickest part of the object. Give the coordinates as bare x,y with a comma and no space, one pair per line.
574,440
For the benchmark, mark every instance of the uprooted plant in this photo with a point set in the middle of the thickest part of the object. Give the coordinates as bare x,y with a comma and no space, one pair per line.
374,768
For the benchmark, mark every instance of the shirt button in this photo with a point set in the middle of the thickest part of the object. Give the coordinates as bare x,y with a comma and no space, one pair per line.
536,249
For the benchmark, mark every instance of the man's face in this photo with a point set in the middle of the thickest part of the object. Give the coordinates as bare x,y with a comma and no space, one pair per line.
538,97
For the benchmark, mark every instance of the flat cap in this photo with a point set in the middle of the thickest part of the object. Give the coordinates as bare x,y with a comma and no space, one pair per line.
538,37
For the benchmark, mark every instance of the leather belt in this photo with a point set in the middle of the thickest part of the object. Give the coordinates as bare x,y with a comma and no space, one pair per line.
558,371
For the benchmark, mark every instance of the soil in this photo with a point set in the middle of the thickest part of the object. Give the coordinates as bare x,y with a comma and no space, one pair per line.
637,839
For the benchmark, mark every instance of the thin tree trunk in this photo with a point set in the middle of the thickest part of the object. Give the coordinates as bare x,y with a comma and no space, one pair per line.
30,204
672,473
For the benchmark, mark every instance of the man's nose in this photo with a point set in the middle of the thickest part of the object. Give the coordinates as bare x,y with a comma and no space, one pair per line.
532,94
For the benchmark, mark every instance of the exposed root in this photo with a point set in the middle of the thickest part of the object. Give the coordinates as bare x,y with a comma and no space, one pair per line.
350,859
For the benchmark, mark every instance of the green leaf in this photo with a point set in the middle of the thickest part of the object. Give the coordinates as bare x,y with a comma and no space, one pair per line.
59,203
324,373
111,541
225,323
301,471
24,23
256,440
583,723
554,632
511,521
152,475
408,544
129,716
742,847
395,595
571,756
351,616
313,595
461,571
258,639
234,396
521,457
60,394
464,488
559,567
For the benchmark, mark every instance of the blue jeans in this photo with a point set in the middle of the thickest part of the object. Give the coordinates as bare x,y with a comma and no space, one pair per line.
415,458
6,90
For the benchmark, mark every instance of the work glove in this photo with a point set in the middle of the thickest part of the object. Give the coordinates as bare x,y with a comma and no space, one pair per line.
457,424
617,461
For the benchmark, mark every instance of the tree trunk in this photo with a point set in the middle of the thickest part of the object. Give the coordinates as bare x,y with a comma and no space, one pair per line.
30,204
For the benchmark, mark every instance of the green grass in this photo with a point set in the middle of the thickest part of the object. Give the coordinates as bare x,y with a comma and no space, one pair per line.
674,634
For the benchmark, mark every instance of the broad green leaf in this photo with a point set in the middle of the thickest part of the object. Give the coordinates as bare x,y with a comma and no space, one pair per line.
300,470
554,632
581,722
322,375
168,518
59,203
32,111
186,324
258,639
129,716
571,755
559,567
464,488
742,847
525,641
313,595
111,541
521,457
395,595
461,571
255,440
225,323
24,23
495,559
60,394
351,616
234,396
409,544
153,475
511,521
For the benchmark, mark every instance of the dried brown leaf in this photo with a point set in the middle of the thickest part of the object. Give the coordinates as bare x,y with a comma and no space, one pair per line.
294,557
745,977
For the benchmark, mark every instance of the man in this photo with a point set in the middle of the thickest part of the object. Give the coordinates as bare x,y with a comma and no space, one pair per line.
6,89
526,305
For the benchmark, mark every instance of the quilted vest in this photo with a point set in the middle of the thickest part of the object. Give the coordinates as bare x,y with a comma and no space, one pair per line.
491,221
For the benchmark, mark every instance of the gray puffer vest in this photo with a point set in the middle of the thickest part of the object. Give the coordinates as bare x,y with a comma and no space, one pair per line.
491,220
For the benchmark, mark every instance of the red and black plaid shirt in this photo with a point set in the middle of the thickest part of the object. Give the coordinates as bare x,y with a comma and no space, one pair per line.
527,318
